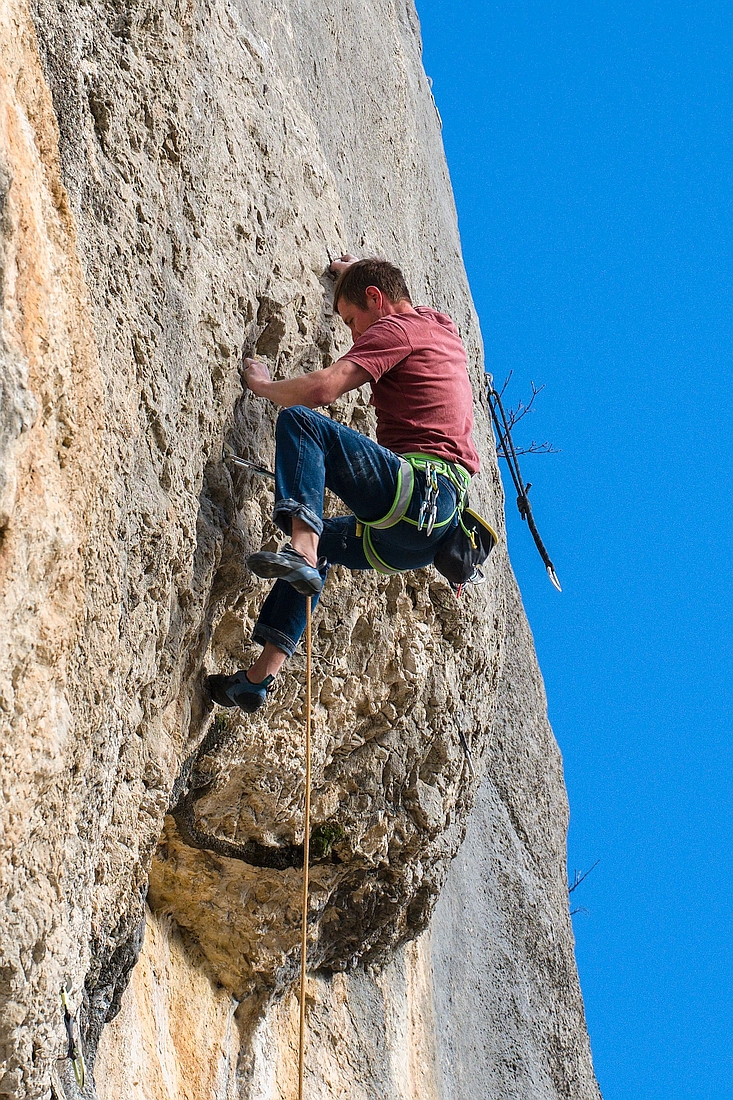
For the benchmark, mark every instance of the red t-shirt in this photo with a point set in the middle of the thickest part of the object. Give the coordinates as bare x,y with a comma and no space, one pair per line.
420,386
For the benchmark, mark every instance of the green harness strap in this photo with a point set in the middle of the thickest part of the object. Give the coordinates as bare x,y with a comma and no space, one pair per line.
458,477
403,496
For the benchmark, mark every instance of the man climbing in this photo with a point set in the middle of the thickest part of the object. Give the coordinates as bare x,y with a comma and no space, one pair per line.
404,490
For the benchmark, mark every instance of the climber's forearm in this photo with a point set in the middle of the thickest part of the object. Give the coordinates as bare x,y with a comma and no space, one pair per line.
305,390
313,390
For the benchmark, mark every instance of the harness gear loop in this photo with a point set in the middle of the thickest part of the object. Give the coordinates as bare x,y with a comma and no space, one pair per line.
433,468
306,840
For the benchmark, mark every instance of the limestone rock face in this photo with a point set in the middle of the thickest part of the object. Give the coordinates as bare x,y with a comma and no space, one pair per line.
174,179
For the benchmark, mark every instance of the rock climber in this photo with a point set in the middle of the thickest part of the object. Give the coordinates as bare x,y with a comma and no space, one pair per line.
404,491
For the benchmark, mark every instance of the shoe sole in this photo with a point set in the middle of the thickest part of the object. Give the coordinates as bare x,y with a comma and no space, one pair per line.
252,706
270,568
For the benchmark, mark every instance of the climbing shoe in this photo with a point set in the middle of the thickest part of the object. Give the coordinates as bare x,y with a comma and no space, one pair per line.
287,565
238,691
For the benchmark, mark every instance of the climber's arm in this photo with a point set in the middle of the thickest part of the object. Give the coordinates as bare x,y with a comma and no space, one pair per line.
320,387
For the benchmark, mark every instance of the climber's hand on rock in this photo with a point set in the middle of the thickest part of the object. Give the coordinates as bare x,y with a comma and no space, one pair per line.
337,266
254,374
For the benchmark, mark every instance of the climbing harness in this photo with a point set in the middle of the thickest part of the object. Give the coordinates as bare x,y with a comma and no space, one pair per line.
505,447
432,467
74,1053
306,841
460,556
403,496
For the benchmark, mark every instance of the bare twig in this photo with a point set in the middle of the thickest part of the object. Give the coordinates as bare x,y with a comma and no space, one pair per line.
581,876
534,448
507,380
514,415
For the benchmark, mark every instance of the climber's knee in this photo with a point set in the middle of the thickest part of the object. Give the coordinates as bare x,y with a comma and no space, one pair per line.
296,415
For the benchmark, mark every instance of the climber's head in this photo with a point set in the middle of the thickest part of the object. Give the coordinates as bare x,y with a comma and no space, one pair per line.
353,283
367,290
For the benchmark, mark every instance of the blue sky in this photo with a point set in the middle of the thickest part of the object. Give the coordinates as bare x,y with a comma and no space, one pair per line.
591,153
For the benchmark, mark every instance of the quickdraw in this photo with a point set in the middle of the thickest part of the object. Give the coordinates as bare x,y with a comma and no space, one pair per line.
75,1053
505,447
245,463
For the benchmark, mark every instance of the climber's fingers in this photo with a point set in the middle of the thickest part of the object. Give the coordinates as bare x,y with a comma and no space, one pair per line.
346,260
254,373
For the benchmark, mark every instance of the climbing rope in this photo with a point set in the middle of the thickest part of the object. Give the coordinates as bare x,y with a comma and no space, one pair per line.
505,445
306,843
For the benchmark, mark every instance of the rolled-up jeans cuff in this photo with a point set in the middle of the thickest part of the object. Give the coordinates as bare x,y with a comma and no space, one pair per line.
288,508
262,634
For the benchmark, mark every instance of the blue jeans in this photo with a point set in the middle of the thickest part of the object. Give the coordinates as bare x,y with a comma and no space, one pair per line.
312,453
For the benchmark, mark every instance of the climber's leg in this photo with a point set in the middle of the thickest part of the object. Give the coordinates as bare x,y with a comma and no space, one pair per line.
281,621
314,452
269,663
304,539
